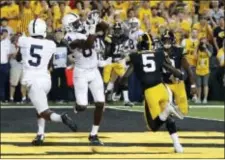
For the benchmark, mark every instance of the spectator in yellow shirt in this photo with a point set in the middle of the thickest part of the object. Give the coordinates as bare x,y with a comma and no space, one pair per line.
13,14
41,9
59,10
121,8
3,9
156,22
204,29
204,53
190,46
144,14
203,7
26,16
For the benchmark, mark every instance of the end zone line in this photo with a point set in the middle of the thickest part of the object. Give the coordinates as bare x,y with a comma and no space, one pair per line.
122,108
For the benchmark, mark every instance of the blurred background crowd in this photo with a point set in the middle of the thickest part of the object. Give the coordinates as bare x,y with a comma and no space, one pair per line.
190,20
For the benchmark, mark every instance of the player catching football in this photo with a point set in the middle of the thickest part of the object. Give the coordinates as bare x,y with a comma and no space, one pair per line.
86,72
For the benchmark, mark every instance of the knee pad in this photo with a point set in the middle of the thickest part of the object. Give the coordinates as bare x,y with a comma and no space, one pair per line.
46,114
99,105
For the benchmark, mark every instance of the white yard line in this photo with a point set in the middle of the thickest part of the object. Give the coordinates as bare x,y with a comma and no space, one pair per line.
194,106
123,108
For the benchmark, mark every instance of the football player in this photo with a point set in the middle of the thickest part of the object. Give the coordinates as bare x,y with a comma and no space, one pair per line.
86,73
135,32
36,52
178,61
148,65
119,45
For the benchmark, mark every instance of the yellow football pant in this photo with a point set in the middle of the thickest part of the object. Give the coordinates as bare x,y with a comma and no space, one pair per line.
180,96
117,68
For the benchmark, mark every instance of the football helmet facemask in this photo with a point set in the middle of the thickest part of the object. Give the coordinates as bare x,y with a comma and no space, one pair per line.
118,29
72,23
168,39
134,24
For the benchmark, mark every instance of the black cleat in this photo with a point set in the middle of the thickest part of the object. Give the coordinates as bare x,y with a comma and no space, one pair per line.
38,140
94,140
69,122
129,104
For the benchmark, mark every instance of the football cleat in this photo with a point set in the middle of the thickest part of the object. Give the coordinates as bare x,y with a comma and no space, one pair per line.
38,140
108,96
94,140
69,122
130,104
178,148
204,101
116,97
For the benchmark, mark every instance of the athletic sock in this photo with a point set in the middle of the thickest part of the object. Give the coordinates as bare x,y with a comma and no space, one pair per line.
41,126
175,138
125,96
110,86
55,117
94,130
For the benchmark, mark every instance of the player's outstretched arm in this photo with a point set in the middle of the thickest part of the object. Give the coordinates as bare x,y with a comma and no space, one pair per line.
83,44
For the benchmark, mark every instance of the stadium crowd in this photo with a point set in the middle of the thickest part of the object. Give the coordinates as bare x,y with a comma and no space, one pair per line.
193,23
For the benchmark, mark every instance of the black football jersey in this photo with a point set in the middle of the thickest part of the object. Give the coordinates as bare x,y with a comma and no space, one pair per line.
175,56
119,46
148,67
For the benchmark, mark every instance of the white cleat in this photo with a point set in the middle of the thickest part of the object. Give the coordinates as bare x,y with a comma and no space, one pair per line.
175,111
178,148
205,101
198,101
115,97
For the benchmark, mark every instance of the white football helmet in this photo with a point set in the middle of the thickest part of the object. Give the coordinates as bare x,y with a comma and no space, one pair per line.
134,24
71,23
37,27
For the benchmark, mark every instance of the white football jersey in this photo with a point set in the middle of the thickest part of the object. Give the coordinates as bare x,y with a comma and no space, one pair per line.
36,54
84,58
134,36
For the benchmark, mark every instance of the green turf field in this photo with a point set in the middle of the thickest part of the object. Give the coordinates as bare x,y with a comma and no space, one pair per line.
213,110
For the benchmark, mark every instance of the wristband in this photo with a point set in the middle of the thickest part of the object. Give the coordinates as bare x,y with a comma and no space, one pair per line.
193,86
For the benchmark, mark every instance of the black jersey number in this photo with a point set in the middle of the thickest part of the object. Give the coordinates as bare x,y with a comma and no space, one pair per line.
148,62
34,49
131,44
87,52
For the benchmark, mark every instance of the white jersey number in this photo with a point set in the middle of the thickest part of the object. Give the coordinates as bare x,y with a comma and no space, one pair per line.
148,62
34,49
87,52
